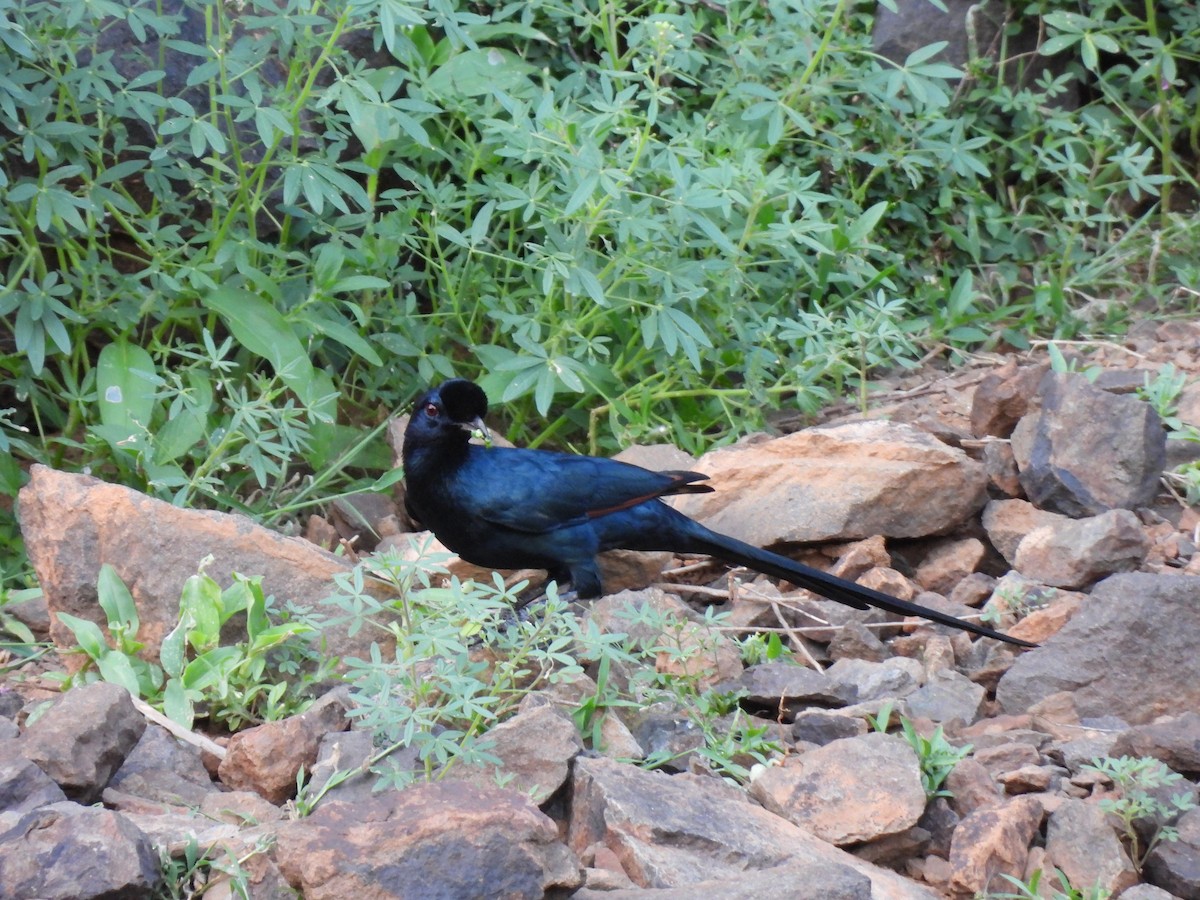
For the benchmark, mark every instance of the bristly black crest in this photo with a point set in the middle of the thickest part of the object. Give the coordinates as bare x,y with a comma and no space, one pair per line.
463,400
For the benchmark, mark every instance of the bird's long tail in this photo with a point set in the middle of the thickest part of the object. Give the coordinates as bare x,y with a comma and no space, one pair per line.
732,550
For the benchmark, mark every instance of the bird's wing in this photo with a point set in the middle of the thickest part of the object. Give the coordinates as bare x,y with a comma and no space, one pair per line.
536,491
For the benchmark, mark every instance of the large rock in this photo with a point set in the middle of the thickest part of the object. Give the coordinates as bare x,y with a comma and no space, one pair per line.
841,482
534,748
848,791
1080,841
65,851
1078,552
267,758
681,831
84,738
991,842
74,524
1087,451
446,839
1130,651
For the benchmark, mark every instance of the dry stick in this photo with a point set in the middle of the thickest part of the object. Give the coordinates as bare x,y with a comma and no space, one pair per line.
796,640
176,729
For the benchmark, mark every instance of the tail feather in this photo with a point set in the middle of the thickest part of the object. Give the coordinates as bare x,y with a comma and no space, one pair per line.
829,586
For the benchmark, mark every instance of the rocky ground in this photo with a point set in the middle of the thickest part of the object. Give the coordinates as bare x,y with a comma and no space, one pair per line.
1005,490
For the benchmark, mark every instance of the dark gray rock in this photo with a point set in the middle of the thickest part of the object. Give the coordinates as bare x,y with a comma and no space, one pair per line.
23,786
84,738
66,852
1176,742
1175,865
820,728
1087,451
1130,651
163,768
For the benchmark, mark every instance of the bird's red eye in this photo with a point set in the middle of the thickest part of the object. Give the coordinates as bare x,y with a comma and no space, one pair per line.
432,410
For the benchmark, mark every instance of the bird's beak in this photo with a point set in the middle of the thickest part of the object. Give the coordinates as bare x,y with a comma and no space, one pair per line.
478,429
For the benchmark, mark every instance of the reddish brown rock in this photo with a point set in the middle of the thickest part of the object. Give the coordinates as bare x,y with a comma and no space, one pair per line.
992,842
445,839
74,524
267,758
948,563
1082,843
848,791
679,831
835,483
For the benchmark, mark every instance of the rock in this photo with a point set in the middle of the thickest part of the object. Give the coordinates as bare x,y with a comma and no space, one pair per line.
786,686
860,681
1130,651
971,787
653,618
680,831
856,641
1175,865
240,808
848,791
1147,892
442,839
820,728
1087,451
164,769
791,881
1008,521
1076,553
1027,780
360,519
991,842
535,749
1007,756
665,731
946,697
339,752
84,738
948,562
73,524
1003,397
836,483
268,757
1176,742
1046,621
65,851
1082,843
23,786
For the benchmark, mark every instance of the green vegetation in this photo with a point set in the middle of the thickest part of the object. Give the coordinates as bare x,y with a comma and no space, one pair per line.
652,221
1141,802
266,676
463,662
1032,889
936,755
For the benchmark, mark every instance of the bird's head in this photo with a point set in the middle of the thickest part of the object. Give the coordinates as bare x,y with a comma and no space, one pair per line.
450,411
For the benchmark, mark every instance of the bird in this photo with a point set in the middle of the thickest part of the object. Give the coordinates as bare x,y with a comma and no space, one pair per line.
517,508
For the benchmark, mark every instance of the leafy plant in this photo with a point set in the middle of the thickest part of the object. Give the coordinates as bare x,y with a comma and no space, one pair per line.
1032,889
1137,778
197,675
199,869
222,270
936,756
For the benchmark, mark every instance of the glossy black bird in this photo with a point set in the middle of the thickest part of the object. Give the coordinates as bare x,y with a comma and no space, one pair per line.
508,508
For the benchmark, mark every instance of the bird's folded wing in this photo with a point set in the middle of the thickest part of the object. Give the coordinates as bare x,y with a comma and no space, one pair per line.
545,491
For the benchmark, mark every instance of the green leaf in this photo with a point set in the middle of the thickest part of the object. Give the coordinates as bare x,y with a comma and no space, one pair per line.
176,705
125,387
87,635
262,330
172,653
201,603
116,601
211,669
116,668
